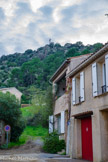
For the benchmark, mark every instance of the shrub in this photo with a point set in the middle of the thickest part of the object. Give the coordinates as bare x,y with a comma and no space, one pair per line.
52,144
10,113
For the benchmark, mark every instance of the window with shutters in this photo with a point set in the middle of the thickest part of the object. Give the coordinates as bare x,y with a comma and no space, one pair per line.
78,97
100,76
78,88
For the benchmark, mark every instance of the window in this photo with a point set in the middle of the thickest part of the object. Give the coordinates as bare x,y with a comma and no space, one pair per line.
103,78
59,87
61,122
78,88
100,76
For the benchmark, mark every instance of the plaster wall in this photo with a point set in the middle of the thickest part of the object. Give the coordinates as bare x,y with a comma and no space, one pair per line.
99,106
91,103
61,104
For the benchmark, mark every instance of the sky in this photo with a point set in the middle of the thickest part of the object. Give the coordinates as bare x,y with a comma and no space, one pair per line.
29,24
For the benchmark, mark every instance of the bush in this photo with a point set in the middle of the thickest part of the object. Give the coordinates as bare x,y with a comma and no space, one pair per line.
52,144
10,113
17,130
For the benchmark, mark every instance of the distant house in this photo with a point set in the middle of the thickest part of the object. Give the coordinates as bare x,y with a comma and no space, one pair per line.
13,91
18,95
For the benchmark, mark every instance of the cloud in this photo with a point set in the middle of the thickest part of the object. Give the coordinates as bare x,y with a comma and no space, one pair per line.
26,24
2,15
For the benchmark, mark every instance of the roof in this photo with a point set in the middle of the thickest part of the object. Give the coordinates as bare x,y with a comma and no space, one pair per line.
88,61
63,66
6,89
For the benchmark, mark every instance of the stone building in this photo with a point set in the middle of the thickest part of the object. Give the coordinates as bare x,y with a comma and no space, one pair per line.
62,94
86,128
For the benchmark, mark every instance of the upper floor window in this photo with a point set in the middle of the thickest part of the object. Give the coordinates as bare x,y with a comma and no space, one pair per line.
78,88
60,87
100,76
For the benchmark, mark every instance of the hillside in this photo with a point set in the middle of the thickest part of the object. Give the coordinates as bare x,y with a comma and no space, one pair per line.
36,67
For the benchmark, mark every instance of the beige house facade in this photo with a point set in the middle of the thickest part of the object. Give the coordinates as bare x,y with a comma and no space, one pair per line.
89,108
13,91
81,112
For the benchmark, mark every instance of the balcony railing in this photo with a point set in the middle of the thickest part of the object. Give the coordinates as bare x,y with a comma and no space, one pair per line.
79,99
103,88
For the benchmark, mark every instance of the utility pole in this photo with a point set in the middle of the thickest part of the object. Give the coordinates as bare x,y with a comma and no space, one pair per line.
49,40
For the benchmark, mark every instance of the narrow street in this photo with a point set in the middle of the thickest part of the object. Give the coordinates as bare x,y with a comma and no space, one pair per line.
29,152
41,157
32,152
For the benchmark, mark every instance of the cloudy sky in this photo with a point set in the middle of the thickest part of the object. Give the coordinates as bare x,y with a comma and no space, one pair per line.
28,24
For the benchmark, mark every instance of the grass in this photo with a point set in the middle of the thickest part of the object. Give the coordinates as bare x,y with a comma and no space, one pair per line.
27,112
30,133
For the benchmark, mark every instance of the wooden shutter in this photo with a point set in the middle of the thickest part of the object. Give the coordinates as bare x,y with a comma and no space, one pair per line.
106,65
73,91
51,124
104,74
82,86
94,79
62,121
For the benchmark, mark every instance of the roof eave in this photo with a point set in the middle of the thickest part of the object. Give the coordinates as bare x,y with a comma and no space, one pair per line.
88,61
61,68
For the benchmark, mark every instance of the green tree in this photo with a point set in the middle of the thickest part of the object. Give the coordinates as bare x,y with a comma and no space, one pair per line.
72,52
86,51
42,107
31,71
10,113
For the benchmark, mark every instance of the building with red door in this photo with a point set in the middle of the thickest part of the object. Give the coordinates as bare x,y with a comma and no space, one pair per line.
89,108
81,118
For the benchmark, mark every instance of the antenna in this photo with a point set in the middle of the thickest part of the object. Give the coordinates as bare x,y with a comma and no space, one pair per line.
49,40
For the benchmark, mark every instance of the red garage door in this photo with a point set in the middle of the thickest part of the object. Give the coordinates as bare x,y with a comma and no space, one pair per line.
86,127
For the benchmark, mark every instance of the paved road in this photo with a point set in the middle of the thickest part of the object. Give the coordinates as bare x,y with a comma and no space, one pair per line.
41,157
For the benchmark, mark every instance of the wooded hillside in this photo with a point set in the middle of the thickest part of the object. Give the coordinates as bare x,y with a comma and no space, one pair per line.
34,68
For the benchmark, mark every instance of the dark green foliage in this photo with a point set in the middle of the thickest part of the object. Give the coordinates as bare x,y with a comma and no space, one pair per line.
36,67
86,51
24,99
17,130
42,107
10,113
52,144
72,52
